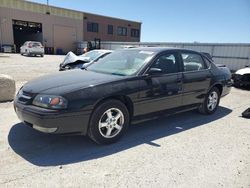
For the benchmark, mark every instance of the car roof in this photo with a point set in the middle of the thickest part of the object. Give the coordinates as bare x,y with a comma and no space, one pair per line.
33,42
160,49
102,50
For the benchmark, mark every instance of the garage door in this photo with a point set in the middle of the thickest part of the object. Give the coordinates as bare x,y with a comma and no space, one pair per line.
64,38
26,31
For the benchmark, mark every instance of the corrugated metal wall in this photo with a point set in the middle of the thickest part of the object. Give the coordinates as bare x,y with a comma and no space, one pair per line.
234,56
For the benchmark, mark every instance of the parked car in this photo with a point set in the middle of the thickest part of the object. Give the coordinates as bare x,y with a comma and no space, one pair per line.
32,48
101,100
72,61
242,77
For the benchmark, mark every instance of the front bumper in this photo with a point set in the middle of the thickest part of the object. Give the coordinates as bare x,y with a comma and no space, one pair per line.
53,121
241,79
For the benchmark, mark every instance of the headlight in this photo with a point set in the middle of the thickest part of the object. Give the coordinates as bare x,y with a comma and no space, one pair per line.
50,101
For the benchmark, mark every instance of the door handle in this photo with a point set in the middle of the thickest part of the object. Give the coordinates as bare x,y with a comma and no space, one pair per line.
179,84
179,80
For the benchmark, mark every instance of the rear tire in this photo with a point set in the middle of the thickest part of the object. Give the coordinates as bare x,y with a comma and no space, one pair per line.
42,55
211,102
109,122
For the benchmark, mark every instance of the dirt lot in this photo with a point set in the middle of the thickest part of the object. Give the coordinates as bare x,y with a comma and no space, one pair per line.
23,68
185,150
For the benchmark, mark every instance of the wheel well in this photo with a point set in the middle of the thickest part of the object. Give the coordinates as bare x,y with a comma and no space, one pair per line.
124,99
219,87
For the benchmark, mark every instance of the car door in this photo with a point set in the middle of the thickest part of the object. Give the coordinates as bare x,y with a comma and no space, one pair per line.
196,78
162,85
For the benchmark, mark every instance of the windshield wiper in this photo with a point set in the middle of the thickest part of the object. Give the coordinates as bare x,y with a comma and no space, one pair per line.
118,74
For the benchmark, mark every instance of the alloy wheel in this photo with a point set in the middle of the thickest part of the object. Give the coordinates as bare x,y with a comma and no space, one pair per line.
212,101
111,123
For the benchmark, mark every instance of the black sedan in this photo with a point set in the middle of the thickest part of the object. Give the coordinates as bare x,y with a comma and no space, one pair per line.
103,99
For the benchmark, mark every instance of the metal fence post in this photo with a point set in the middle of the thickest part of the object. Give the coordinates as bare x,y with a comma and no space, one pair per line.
1,41
249,57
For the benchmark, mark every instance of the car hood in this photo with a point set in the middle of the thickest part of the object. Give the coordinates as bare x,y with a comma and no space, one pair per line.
64,82
243,71
71,58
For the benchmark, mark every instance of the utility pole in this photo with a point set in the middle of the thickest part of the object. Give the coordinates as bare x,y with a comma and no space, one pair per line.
48,10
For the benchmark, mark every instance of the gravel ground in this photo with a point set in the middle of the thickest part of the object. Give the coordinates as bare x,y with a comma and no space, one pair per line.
184,150
23,68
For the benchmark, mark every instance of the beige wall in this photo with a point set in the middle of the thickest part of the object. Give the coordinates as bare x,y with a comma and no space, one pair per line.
65,39
40,8
48,23
103,28
62,27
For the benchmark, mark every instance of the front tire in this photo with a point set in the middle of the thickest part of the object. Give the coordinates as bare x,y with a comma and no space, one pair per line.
211,102
109,122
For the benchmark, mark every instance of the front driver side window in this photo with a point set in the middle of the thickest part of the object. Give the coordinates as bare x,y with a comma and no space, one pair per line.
192,62
167,63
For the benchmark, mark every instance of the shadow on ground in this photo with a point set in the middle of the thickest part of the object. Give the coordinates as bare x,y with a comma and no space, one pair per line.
51,150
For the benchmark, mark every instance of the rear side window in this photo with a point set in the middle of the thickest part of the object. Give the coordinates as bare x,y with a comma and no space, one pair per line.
192,62
167,63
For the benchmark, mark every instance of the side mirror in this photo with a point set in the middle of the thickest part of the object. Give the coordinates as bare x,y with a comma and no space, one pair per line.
154,71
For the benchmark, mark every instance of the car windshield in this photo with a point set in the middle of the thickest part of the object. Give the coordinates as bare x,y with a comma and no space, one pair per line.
92,55
123,62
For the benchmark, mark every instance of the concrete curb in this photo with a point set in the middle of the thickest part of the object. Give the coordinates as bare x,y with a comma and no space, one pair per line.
7,88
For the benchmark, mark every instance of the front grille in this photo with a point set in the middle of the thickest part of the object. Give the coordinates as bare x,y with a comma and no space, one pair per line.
24,97
244,78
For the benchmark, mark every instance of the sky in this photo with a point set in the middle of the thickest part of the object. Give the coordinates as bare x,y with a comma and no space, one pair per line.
219,21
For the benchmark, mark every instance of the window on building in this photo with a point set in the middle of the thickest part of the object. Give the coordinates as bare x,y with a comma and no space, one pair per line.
135,33
92,27
110,29
122,31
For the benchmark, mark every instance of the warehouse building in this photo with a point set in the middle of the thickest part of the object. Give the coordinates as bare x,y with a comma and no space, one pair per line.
60,29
